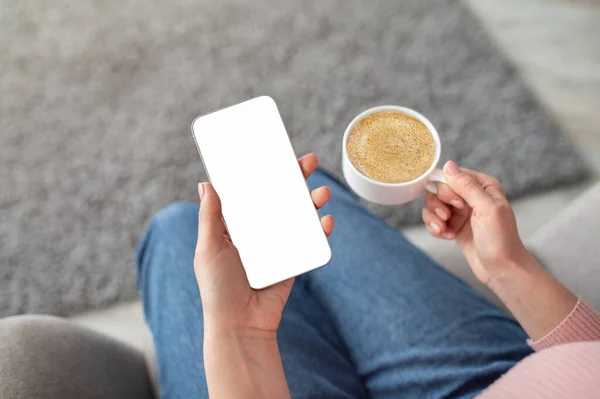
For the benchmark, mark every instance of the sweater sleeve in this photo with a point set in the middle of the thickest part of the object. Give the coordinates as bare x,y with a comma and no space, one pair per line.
563,371
582,324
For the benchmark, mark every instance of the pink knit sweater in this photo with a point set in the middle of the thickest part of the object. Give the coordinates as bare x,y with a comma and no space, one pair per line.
566,363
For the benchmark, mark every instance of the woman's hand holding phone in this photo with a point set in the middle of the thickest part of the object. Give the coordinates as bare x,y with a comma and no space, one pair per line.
240,323
227,299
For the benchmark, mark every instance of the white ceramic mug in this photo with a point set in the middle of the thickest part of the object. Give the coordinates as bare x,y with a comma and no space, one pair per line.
392,193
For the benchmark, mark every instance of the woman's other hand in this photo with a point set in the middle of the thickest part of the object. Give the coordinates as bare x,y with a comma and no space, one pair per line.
480,219
484,226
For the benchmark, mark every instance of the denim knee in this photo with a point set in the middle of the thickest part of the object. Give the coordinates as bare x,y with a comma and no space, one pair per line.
174,214
173,226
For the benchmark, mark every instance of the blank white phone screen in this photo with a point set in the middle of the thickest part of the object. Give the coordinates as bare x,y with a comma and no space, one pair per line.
266,204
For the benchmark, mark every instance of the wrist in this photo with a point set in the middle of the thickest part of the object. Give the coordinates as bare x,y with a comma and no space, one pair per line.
247,341
537,300
243,363
513,270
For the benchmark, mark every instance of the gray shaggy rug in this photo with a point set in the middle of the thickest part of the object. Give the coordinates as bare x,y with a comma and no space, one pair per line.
97,97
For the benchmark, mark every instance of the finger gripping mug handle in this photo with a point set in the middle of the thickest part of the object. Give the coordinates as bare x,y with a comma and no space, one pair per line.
436,176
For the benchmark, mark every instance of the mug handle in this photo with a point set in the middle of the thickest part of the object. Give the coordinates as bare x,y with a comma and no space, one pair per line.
436,176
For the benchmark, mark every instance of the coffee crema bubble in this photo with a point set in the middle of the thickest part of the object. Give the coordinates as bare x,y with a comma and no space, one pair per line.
391,147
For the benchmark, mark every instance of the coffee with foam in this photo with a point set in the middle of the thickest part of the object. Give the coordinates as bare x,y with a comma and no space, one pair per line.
391,147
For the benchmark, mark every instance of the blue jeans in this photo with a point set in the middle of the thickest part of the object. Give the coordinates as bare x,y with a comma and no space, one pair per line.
382,320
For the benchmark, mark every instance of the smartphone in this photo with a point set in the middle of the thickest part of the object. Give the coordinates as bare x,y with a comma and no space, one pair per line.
266,203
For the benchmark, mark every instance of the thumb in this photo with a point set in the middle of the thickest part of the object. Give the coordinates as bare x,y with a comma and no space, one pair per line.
466,185
210,218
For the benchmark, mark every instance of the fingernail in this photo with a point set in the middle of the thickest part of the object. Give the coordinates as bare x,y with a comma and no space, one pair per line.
448,236
452,168
201,190
435,227
457,203
441,213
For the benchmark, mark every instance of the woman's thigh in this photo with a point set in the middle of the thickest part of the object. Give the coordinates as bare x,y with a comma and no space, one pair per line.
411,327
